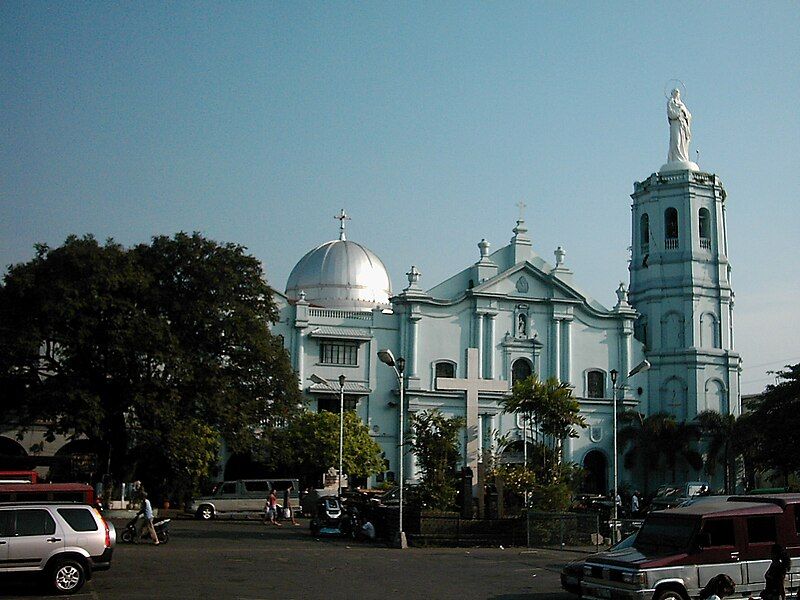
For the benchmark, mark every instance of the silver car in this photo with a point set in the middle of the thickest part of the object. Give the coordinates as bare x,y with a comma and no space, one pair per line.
63,542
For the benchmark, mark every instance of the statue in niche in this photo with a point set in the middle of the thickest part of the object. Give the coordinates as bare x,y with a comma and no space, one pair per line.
680,133
522,325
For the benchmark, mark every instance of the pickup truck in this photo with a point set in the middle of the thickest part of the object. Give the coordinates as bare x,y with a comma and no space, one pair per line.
678,550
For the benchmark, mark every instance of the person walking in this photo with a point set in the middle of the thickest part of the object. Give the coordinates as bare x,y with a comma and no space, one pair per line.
288,511
775,576
272,509
146,513
635,504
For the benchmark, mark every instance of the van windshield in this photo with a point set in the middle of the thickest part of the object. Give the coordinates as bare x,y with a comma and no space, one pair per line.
663,534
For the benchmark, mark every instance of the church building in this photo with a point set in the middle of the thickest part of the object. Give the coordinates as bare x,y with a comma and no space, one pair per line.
467,339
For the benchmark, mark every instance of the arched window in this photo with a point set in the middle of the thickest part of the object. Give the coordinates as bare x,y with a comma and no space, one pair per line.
644,233
704,222
716,396
520,370
595,384
670,228
445,369
709,331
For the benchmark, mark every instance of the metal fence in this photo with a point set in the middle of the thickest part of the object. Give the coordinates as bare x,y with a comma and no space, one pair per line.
577,531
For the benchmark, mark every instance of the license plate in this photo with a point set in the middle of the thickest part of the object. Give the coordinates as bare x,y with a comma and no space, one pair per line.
600,592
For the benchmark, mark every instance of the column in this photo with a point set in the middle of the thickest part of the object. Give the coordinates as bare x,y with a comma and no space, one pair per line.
480,438
479,343
555,351
301,352
625,354
413,335
566,342
492,426
488,362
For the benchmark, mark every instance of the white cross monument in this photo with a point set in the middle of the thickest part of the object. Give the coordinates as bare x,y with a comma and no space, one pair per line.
473,385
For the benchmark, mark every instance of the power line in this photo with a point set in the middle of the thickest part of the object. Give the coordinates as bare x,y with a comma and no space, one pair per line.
772,362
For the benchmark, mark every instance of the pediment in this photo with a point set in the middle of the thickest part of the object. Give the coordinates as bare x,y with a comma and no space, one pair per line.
526,280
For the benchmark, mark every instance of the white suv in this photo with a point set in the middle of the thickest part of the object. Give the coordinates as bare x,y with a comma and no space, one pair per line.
64,542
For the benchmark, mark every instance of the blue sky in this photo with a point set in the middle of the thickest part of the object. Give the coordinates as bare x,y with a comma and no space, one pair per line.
256,122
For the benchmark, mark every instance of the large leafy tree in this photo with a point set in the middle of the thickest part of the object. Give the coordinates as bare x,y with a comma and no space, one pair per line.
656,438
434,439
309,445
155,352
777,414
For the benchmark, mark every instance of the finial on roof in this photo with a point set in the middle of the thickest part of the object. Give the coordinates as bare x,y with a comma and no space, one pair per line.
560,253
342,217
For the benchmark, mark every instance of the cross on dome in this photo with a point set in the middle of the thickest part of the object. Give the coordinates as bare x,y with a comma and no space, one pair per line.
342,217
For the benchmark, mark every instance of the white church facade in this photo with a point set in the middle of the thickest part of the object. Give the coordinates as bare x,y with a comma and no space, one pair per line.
465,340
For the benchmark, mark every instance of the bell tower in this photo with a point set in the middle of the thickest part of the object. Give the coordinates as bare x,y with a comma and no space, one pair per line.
681,281
681,287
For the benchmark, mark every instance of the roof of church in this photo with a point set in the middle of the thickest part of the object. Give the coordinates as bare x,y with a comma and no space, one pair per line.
515,256
341,274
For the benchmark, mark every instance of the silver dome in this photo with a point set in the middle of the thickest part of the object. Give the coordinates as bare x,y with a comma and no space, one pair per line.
341,274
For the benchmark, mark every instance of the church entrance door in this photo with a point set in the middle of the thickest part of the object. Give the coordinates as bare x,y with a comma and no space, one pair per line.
596,467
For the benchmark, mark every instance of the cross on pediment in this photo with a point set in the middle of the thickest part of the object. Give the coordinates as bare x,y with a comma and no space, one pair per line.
472,386
521,206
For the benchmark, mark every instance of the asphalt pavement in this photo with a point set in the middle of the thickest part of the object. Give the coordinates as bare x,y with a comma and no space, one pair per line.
246,560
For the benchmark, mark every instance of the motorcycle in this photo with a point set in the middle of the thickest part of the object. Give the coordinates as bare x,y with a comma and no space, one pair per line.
160,525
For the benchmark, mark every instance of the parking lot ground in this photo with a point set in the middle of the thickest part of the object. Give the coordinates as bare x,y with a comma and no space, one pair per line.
240,560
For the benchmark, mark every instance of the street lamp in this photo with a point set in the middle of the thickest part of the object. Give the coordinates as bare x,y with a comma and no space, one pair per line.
642,366
399,365
323,381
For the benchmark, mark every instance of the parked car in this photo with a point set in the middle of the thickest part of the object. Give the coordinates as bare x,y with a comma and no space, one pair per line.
62,542
671,496
244,495
572,573
678,550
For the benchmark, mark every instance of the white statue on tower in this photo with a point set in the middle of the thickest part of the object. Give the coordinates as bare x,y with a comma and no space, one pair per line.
680,132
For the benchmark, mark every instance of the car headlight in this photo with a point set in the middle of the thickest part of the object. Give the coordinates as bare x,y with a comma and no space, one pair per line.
633,577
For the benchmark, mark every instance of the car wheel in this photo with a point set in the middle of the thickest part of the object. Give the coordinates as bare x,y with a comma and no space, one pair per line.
67,576
205,512
669,595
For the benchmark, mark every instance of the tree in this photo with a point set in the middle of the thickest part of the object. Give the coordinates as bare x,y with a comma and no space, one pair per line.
728,437
309,446
549,404
434,440
777,414
159,351
655,437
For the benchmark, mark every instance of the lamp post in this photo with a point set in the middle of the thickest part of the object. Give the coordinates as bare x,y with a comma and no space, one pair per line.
323,381
642,366
614,374
399,365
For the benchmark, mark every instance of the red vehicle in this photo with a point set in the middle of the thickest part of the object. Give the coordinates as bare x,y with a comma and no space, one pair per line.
47,492
18,477
678,550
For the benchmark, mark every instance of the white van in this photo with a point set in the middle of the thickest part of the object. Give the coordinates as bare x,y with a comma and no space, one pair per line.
245,496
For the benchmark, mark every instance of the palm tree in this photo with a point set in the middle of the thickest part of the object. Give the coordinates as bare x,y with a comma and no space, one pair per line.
551,404
718,430
651,438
